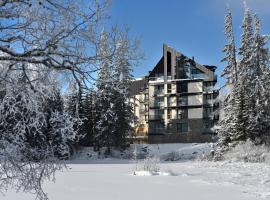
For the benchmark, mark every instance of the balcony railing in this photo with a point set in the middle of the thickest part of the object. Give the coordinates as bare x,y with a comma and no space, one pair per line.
159,92
182,102
143,110
208,131
156,130
208,89
159,78
208,115
199,76
208,102
156,117
215,78
156,104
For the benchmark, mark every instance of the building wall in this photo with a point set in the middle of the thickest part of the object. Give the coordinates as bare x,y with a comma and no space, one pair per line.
195,87
194,100
195,113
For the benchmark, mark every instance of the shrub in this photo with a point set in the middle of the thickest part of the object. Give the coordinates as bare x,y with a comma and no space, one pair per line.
248,152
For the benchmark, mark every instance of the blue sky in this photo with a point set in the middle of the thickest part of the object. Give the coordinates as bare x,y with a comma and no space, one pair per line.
193,27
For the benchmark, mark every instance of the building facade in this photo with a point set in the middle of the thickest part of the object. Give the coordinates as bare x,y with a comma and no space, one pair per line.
176,102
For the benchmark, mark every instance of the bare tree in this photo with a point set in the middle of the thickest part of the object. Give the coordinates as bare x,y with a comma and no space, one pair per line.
34,136
39,38
57,34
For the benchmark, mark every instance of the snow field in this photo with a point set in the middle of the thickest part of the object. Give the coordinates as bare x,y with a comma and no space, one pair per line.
189,178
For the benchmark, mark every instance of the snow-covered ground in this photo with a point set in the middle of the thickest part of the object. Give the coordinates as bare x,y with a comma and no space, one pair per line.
183,179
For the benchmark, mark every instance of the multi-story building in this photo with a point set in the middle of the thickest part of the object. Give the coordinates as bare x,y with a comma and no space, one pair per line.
176,101
140,100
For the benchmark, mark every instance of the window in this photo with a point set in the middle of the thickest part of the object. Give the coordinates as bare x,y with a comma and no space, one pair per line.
182,68
169,76
207,87
169,88
160,101
208,96
146,97
156,127
159,89
194,70
182,114
169,114
169,127
182,101
207,124
146,118
182,127
171,101
169,62
207,84
207,112
196,73
146,108
182,87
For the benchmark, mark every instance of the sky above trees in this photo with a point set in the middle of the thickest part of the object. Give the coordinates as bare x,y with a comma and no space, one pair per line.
193,27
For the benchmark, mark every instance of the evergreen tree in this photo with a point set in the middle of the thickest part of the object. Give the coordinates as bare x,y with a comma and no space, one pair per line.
114,110
247,104
105,125
90,118
74,107
231,73
261,85
123,108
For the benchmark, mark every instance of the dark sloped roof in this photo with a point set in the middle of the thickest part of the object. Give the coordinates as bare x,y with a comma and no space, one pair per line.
159,68
137,86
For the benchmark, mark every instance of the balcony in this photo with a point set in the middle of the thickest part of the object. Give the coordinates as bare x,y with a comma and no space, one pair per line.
198,76
159,78
156,131
208,115
215,93
156,105
208,131
156,117
182,101
208,102
215,78
143,110
208,89
158,92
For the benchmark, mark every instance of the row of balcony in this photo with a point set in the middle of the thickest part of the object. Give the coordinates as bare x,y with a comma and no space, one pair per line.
205,116
205,89
183,103
156,117
163,130
191,76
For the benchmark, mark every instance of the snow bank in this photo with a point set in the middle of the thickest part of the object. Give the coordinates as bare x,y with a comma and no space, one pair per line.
153,173
248,152
164,152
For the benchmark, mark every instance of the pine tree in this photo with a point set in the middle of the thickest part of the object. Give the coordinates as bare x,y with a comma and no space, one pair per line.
247,110
105,125
261,85
231,73
74,107
90,118
123,108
